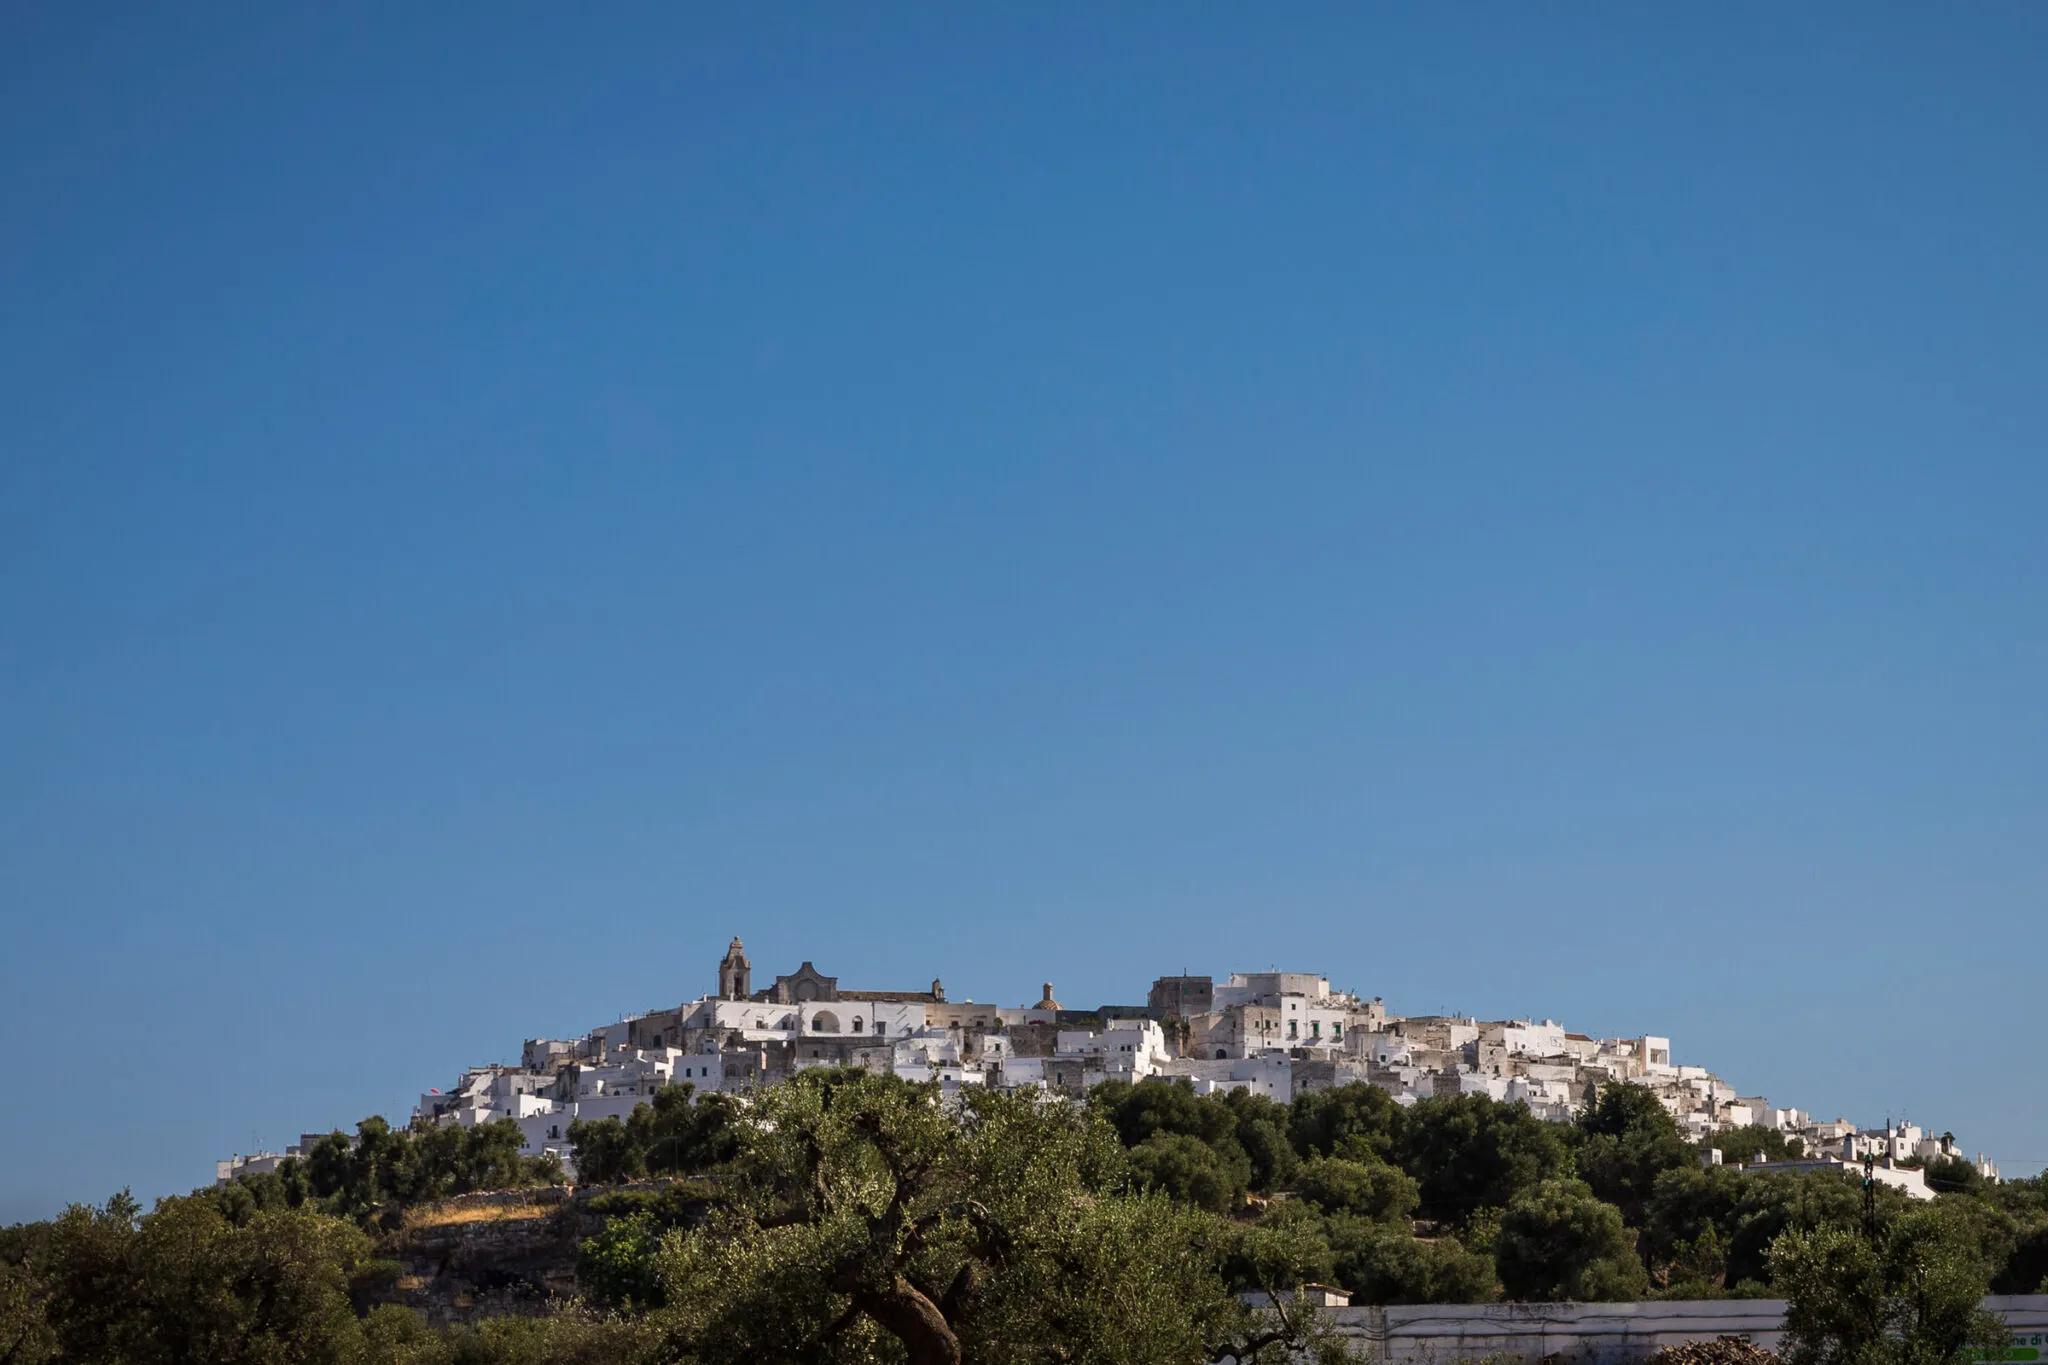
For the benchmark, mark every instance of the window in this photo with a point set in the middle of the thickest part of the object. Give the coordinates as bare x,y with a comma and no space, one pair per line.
1315,1029
1337,1030
856,1026
1292,1031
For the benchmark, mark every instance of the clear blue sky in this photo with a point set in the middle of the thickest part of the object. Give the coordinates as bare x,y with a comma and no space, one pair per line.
1526,511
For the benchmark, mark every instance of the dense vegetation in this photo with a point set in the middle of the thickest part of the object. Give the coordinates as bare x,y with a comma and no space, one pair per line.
382,1171
855,1218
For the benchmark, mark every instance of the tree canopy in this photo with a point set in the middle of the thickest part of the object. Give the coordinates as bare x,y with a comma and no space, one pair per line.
1561,1241
675,1132
1000,1230
1904,1292
1468,1152
1626,1139
853,1219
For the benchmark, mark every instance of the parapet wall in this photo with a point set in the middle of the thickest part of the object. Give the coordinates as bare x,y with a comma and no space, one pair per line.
1604,1333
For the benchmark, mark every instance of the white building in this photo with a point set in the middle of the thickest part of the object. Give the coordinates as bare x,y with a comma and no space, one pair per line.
1270,1033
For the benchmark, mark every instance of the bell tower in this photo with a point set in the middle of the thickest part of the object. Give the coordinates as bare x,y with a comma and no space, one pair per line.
735,974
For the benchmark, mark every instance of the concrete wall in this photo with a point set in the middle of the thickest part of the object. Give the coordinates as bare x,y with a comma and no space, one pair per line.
1597,1333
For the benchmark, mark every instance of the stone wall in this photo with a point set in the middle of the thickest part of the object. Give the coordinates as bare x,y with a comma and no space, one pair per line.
502,1253
1601,1333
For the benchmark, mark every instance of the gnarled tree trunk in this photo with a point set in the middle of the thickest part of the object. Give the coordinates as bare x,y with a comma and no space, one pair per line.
912,1319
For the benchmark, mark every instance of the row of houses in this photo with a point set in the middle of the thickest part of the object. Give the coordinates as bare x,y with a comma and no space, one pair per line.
1273,1033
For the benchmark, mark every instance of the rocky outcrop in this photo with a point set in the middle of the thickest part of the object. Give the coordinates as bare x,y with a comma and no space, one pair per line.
496,1254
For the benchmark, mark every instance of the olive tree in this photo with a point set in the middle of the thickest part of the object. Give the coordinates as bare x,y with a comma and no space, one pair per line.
1907,1293
865,1216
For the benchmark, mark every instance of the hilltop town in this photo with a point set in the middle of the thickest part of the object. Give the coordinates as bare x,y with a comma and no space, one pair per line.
1276,1034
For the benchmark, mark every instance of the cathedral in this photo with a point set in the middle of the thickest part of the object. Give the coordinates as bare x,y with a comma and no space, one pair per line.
806,985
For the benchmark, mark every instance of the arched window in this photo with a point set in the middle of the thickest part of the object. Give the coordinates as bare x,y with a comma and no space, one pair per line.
824,1021
1221,1054
856,1025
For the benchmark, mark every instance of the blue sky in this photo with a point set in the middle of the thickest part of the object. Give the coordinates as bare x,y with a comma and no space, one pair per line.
1526,511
